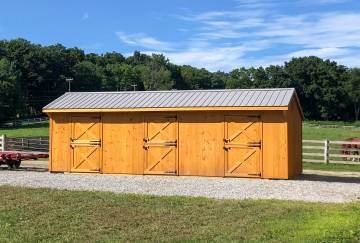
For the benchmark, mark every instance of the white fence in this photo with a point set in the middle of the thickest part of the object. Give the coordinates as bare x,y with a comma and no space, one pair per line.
326,151
38,144
2,142
24,122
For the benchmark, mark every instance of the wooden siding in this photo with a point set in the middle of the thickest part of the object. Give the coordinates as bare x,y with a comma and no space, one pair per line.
123,143
60,143
200,142
274,147
294,118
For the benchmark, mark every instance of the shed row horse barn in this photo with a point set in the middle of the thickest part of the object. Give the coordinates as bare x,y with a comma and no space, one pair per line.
225,133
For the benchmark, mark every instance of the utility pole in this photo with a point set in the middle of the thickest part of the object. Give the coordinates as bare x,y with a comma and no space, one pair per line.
134,85
69,81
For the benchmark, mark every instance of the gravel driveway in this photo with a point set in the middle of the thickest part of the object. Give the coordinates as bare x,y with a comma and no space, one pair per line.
309,187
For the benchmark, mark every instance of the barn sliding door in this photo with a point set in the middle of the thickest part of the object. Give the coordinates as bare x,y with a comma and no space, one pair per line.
160,144
242,144
85,143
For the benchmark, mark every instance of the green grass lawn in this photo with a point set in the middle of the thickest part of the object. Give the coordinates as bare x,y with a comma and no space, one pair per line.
328,133
331,167
33,215
39,129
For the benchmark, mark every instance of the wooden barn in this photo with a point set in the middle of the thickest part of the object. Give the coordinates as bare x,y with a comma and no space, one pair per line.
225,133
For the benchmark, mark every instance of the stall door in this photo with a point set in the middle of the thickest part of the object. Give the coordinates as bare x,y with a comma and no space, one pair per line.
242,144
160,144
86,143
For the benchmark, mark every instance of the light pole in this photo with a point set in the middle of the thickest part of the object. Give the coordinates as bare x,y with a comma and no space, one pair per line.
69,81
134,85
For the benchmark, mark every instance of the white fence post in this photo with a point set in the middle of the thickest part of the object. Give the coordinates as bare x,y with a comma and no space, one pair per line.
326,151
2,143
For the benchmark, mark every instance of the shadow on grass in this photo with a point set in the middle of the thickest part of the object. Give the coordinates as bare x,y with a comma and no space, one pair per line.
329,178
28,168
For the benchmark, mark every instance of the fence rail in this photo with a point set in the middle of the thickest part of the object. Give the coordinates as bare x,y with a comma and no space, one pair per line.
23,122
39,144
349,127
327,151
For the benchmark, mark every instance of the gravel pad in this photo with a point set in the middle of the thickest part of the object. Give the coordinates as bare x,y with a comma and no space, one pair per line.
310,188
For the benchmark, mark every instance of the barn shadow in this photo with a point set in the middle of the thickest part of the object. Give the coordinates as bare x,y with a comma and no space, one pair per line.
329,178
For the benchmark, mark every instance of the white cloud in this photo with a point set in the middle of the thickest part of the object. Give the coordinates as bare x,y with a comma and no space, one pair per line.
142,40
321,52
212,58
256,33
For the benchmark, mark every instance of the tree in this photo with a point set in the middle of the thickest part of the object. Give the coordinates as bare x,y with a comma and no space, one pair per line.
33,75
121,77
239,78
217,80
112,58
9,88
87,77
353,90
155,79
277,77
320,86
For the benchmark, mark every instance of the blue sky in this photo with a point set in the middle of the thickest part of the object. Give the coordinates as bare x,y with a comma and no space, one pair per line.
217,35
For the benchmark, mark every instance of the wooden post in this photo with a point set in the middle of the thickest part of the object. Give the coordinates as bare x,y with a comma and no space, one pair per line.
2,139
326,151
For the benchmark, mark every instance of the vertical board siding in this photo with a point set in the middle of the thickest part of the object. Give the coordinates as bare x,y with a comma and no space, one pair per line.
295,140
274,145
123,143
60,143
201,143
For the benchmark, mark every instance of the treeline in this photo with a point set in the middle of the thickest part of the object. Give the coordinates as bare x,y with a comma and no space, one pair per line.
33,75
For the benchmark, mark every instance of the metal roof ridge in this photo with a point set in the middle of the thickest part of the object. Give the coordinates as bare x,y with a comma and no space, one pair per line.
175,91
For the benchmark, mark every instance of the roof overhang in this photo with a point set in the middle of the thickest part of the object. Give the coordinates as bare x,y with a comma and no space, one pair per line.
244,108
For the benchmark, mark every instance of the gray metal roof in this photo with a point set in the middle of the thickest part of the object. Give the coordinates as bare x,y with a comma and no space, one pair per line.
174,99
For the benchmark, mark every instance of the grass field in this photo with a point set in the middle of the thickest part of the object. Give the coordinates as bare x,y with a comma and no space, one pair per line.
328,133
39,129
331,167
33,215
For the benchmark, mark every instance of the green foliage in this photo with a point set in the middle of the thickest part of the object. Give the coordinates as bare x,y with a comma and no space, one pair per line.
8,88
87,76
32,76
120,77
353,89
320,86
44,215
239,79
